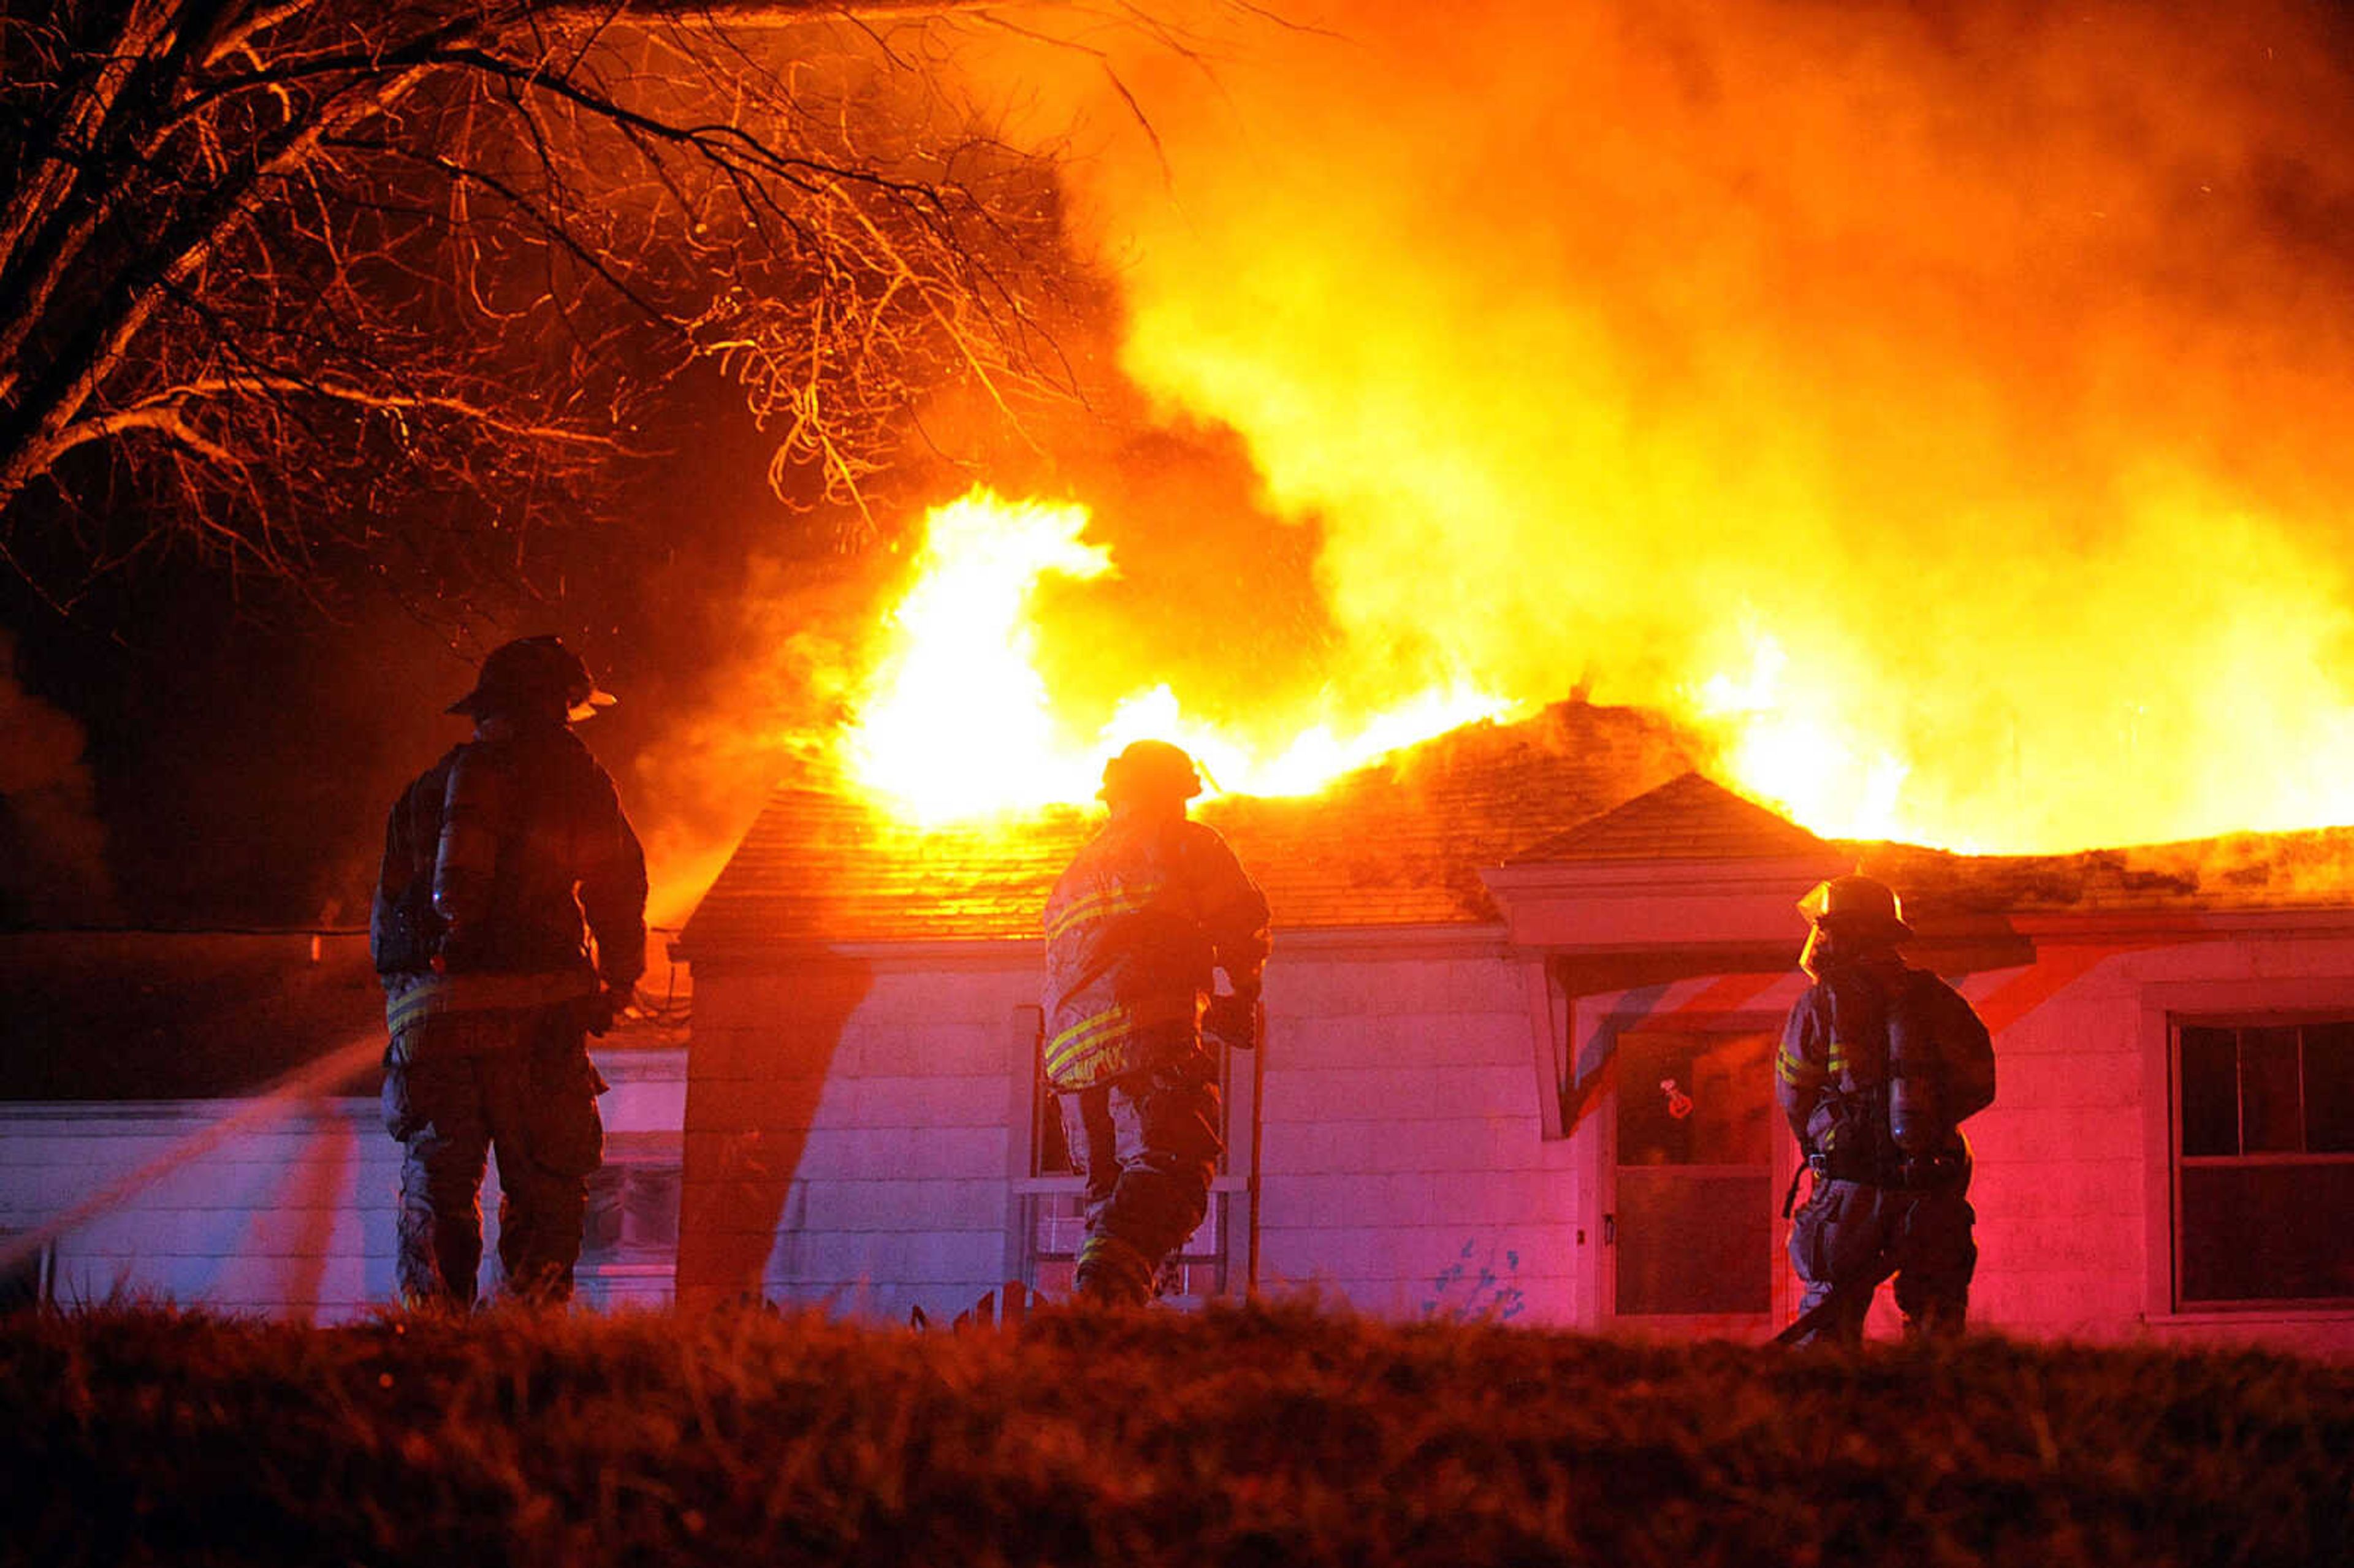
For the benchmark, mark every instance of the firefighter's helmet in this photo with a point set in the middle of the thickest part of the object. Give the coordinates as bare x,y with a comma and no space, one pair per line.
532,672
1858,907
1150,770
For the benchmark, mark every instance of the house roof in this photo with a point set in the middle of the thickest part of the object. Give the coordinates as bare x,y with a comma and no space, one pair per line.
1691,818
1401,843
117,1016
190,1015
2305,870
1688,818
1398,844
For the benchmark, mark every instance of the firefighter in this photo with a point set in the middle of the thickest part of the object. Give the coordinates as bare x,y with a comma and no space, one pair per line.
1135,928
1879,1064
490,860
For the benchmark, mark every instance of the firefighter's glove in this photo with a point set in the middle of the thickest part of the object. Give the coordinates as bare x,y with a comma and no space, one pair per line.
1232,1021
597,1011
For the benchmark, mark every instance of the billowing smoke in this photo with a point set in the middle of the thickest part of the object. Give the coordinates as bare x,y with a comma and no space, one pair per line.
1943,402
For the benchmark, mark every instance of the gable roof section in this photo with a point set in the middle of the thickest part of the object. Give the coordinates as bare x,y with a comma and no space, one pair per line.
1688,818
1398,844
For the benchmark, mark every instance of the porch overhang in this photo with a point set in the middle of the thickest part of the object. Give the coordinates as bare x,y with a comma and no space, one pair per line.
1608,925
1653,905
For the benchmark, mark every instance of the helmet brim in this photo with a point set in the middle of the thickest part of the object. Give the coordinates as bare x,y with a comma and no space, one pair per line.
1866,927
590,706
477,702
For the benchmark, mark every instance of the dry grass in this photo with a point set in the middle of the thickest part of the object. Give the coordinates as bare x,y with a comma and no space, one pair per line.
1284,1436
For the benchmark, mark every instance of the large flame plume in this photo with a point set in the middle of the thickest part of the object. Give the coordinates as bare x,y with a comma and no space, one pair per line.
1944,405
958,722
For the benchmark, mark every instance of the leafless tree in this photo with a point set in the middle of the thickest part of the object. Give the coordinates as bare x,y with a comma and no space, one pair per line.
284,281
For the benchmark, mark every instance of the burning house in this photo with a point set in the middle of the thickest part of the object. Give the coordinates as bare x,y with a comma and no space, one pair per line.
1526,984
1927,411
1921,418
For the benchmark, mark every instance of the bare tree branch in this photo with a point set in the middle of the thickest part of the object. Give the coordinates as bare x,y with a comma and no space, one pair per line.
260,256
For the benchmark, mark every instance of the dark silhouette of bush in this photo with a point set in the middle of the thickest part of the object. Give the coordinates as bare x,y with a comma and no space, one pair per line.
1281,1435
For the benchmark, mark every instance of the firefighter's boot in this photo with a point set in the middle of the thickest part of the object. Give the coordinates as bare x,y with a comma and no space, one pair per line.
1112,1273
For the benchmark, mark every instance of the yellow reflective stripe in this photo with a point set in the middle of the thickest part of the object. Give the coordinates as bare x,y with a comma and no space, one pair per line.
1839,1062
1086,1038
1795,1071
410,999
1101,905
1086,1029
1081,1061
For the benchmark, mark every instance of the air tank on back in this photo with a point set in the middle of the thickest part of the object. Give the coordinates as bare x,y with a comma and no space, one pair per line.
1915,1119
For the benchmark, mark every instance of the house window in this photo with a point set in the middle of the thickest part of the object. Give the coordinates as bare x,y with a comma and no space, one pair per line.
629,1237
1052,1198
2263,1162
633,1214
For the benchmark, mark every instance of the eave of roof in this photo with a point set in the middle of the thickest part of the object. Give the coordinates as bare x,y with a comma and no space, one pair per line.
113,1015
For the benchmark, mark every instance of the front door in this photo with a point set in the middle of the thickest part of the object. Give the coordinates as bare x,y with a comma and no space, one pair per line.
1699,1163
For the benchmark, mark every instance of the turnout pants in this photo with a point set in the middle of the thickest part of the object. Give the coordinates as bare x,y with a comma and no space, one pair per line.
458,1086
1851,1236
1147,1144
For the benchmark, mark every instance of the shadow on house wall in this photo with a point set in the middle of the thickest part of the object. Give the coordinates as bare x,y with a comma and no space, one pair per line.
754,1075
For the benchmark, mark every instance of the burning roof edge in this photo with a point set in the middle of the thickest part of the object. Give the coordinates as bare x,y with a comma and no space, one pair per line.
1693,818
2300,869
1395,844
1402,844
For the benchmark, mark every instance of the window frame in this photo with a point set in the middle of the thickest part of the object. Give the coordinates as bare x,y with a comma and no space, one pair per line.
633,1160
2204,1001
2179,1162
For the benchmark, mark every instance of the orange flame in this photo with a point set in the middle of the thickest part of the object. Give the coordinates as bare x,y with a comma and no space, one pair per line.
1944,407
958,724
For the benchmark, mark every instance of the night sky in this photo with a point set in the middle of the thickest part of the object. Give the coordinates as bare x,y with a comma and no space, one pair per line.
219,753
240,744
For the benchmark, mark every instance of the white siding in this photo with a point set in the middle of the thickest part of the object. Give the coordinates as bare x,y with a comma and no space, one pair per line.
283,1209
291,1215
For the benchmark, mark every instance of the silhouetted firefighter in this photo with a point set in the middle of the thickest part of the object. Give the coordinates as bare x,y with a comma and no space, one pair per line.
491,859
1879,1062
1135,929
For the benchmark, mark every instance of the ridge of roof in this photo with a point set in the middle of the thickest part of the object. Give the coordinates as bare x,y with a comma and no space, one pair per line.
1690,817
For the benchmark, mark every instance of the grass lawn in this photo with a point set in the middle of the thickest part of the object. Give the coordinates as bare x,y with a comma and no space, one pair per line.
1277,1435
